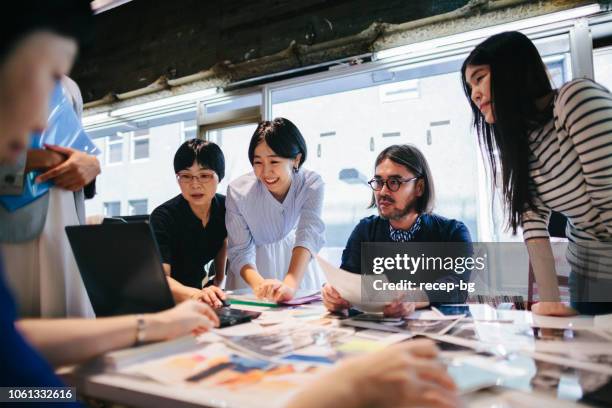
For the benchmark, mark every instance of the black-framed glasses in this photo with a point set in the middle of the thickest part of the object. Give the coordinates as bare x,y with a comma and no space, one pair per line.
393,183
203,178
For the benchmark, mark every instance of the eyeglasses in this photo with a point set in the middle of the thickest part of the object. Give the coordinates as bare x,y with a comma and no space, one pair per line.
393,183
203,178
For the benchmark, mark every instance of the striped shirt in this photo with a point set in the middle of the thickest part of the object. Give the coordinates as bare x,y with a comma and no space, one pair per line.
570,166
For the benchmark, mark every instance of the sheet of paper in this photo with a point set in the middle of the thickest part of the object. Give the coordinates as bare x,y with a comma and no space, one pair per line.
349,286
359,346
121,358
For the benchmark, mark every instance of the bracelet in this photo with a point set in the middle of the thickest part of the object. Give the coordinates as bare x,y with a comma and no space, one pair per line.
141,329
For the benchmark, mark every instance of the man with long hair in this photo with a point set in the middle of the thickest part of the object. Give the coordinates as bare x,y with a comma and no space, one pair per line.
404,196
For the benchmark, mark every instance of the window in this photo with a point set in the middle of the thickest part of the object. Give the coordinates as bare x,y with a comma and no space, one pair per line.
364,127
347,116
421,103
602,63
114,148
140,144
149,172
189,130
112,209
138,207
234,141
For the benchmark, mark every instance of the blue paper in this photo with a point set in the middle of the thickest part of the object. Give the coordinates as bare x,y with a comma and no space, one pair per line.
63,129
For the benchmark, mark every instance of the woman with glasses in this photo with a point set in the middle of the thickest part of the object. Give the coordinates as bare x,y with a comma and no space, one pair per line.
190,228
403,193
553,148
274,217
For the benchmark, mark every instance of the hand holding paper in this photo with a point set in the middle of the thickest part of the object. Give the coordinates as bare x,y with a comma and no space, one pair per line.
78,170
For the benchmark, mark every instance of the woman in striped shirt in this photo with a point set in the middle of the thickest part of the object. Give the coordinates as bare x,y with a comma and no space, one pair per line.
554,150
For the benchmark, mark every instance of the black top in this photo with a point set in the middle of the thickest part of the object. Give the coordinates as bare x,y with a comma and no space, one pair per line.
184,242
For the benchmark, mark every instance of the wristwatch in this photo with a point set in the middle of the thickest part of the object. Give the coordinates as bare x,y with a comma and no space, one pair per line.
141,329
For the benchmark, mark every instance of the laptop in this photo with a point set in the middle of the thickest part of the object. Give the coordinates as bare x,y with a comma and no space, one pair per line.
122,271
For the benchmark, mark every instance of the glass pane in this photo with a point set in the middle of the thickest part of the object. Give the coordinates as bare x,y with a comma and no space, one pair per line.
115,153
234,141
112,209
602,61
429,112
190,134
141,149
347,121
138,207
189,123
152,179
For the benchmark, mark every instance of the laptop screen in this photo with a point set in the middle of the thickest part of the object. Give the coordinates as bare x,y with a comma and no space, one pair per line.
121,268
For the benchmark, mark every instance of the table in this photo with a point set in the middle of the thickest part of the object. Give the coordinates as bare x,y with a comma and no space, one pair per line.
93,380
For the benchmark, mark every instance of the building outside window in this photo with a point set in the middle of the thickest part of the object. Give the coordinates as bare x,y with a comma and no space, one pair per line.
347,117
140,145
138,207
114,148
152,178
112,209
189,130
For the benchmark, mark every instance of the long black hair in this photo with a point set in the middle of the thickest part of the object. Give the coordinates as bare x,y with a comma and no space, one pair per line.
518,79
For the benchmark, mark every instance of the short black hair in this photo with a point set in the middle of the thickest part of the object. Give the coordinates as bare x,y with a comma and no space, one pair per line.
283,137
413,159
69,18
207,154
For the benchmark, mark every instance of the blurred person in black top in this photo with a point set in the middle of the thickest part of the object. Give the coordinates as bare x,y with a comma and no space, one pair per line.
190,228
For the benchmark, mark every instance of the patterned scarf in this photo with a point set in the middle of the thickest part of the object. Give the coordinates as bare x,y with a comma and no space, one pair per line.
399,235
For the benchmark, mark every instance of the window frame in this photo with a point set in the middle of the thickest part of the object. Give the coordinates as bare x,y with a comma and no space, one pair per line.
110,143
423,53
133,200
135,138
104,206
185,129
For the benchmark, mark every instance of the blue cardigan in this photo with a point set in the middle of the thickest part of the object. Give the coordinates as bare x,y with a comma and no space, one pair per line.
21,365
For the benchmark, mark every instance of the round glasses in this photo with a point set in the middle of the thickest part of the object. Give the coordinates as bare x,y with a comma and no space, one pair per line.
200,178
393,183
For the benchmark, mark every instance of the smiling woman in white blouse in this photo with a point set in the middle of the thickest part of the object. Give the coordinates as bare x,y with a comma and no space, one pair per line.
273,217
